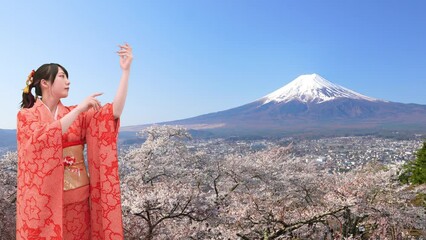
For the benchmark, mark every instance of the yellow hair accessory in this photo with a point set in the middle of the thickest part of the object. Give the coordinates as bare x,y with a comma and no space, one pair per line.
28,82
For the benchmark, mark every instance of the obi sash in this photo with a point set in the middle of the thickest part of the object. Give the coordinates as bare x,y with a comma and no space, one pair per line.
75,173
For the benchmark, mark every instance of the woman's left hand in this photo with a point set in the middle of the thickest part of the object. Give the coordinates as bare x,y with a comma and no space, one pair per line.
126,56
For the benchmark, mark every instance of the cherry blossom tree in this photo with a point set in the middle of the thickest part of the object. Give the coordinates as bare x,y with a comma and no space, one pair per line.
163,186
8,171
176,187
259,194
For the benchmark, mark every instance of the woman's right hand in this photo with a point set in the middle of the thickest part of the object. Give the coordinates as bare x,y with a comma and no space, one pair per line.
90,102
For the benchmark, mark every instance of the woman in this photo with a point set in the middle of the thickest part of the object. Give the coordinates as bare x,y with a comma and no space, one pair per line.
57,198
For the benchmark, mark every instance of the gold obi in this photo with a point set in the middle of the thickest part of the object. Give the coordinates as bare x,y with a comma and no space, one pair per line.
75,174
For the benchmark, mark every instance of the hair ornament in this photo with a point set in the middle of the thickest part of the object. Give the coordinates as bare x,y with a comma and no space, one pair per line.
28,82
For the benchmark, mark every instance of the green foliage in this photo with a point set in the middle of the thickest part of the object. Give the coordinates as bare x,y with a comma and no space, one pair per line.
415,171
419,200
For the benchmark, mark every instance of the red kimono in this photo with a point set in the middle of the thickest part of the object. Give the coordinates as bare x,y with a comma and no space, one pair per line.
45,210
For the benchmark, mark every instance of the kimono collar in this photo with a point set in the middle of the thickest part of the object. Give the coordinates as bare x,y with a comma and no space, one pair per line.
55,115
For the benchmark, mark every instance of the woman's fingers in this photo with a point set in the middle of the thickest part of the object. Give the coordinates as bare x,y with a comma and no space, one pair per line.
124,49
125,46
126,56
96,94
95,103
123,52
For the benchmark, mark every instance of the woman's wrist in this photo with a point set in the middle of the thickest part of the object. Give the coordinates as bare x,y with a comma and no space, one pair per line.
78,109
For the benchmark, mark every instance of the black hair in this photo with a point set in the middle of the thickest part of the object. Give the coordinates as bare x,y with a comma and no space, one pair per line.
47,72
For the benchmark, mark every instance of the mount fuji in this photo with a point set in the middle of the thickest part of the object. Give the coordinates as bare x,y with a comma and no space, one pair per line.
312,88
310,105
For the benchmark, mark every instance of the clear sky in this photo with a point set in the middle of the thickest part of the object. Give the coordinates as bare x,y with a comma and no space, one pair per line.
193,57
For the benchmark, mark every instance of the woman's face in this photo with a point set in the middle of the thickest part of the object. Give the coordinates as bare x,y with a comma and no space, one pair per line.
61,85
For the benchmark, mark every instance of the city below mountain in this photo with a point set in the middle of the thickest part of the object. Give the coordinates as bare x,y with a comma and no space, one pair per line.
309,105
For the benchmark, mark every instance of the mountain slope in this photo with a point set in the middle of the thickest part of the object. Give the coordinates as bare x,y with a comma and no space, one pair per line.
310,103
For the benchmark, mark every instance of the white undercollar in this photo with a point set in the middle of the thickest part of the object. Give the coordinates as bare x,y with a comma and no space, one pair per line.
55,116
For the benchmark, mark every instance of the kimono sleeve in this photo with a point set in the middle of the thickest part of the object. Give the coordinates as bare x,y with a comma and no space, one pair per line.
40,177
101,138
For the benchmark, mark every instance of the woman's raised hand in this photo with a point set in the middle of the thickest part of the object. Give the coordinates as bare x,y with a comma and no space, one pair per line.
90,102
126,56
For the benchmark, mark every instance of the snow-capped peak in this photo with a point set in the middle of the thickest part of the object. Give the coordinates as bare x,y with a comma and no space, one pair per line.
312,88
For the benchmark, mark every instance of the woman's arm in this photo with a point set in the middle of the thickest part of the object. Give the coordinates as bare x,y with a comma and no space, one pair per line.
86,104
126,57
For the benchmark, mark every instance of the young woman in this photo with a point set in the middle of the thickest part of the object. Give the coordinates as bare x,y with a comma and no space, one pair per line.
57,197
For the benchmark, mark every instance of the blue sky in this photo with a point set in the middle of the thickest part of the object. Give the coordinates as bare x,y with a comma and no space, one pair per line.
199,56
